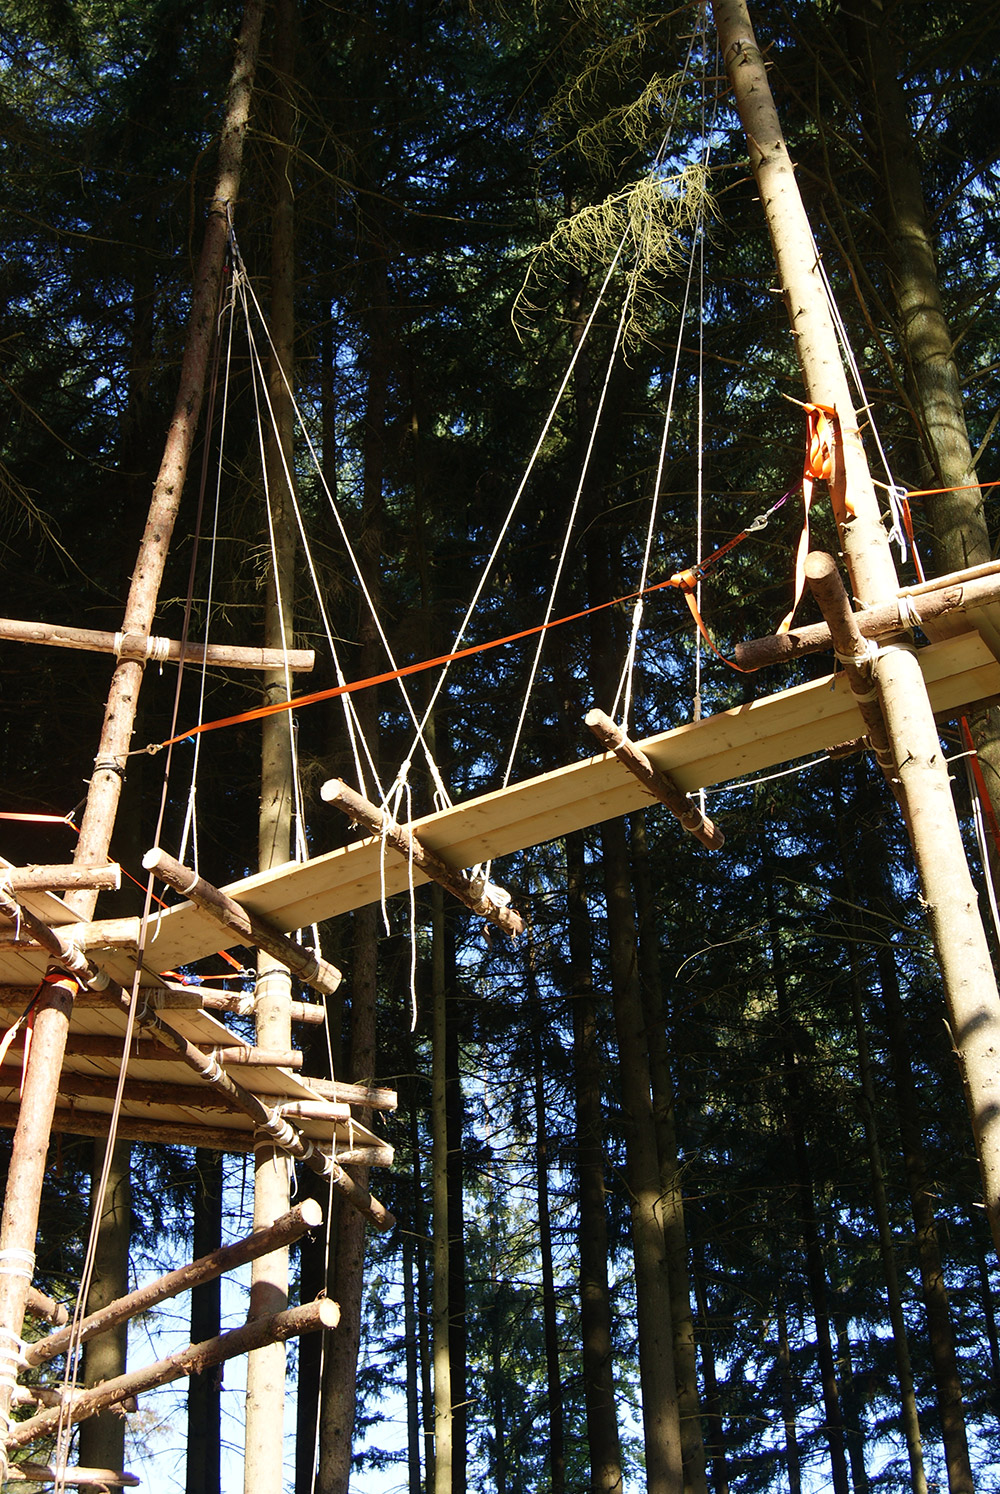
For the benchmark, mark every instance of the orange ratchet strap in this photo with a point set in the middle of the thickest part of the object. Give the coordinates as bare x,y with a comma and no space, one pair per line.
823,441
687,581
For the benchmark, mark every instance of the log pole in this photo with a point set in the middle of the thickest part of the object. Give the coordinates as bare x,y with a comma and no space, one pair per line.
218,1138
25,1175
655,781
59,878
949,896
946,599
176,998
47,1308
77,1478
284,1231
98,818
854,652
156,650
406,844
230,915
84,1045
196,1357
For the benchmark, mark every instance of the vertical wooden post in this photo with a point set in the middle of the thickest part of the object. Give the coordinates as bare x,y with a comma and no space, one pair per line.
24,1182
950,899
265,1400
27,1166
119,716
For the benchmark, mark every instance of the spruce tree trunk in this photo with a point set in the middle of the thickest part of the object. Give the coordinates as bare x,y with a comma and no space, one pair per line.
940,1334
411,1340
894,1299
833,1428
455,1111
958,518
851,1400
793,1459
204,1435
660,1414
440,1288
338,1397
674,1233
715,1446
102,1437
424,1354
553,1377
603,1440
265,1397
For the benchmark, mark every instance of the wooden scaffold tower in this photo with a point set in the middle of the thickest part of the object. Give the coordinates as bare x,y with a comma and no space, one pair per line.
112,1038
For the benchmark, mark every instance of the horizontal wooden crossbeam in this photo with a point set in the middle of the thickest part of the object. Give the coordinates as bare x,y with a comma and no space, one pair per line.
160,650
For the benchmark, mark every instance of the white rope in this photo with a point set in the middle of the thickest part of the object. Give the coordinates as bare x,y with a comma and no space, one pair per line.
362,583
728,788
981,840
897,533
190,825
696,257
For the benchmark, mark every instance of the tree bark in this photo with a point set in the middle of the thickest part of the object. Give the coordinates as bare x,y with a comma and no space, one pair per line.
204,1439
674,1232
603,1440
102,1437
894,1299
550,1325
947,1381
660,1412
440,1284
958,518
339,1393
833,1428
793,1458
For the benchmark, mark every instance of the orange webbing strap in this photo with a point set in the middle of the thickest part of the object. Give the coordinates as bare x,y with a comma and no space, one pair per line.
982,791
687,582
823,442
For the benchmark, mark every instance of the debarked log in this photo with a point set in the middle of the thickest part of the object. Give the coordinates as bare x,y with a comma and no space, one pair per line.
229,914
283,1232
655,781
160,650
147,1050
195,1358
930,601
47,1308
77,1478
854,653
174,998
59,877
213,1138
406,844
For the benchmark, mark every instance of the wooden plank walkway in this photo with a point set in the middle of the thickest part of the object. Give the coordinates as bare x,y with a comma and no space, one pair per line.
749,739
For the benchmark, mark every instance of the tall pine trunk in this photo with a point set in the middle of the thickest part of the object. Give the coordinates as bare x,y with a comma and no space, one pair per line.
940,1333
204,1434
674,1232
603,1439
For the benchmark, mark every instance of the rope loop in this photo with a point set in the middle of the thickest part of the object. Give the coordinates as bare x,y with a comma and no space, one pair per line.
909,615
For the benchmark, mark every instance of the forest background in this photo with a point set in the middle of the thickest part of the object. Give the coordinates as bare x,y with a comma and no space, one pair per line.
775,1005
